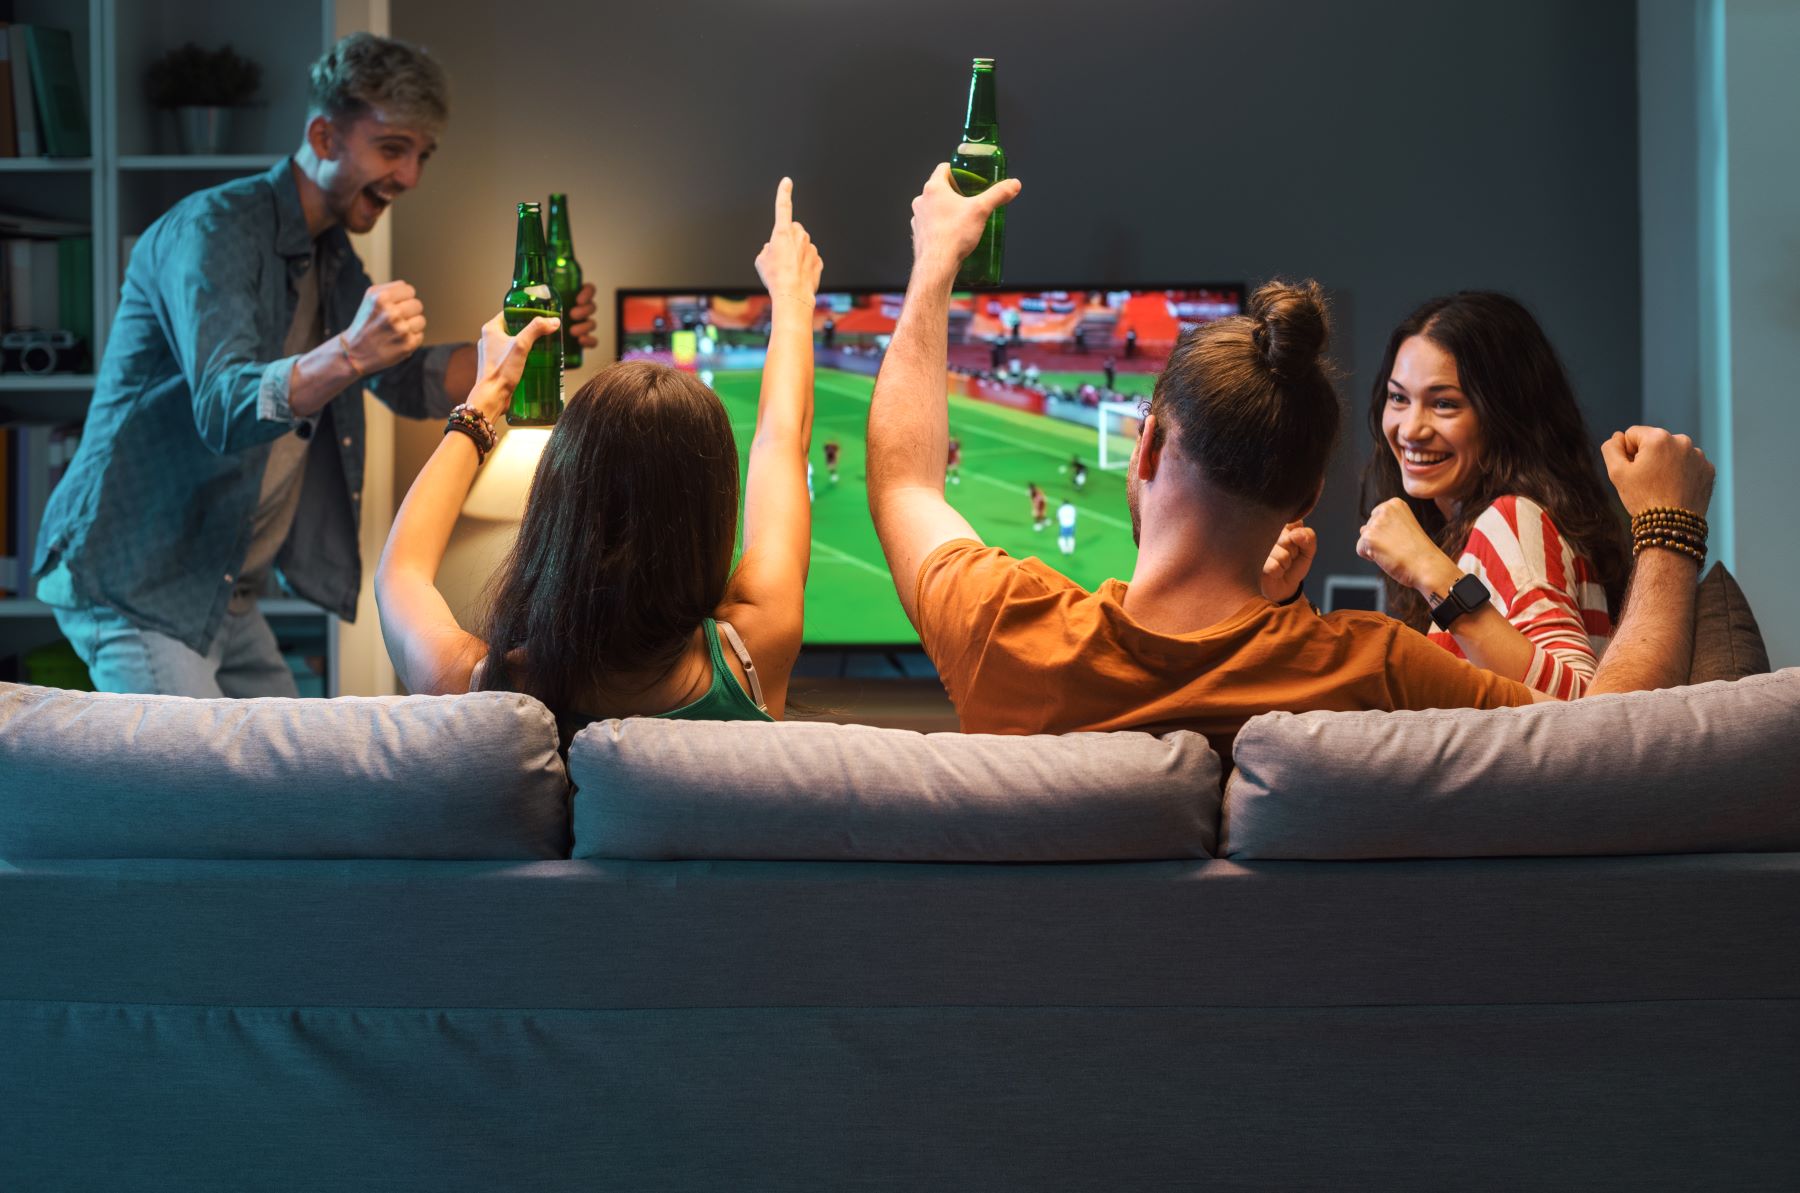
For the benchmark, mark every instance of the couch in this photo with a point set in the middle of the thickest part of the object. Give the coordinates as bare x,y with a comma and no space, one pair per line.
401,944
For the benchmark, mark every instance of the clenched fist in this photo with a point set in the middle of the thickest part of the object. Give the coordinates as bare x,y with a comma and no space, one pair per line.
1393,541
389,327
1650,467
1289,561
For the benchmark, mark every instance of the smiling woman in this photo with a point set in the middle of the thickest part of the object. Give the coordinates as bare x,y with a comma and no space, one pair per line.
1483,468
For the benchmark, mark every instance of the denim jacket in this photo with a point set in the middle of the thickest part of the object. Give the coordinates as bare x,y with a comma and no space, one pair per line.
154,514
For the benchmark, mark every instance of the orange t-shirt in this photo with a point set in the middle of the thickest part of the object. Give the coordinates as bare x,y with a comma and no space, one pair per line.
1021,648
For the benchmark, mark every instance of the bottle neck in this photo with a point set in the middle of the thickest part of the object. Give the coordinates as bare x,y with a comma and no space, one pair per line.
561,242
529,259
981,123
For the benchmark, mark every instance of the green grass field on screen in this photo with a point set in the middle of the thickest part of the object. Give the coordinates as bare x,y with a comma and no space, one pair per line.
850,596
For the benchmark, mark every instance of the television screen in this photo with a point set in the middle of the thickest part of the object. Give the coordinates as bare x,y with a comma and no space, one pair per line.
1045,387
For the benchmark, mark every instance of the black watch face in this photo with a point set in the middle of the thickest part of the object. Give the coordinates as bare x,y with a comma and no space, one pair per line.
1470,593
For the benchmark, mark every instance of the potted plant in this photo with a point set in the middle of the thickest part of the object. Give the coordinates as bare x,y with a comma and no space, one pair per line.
201,87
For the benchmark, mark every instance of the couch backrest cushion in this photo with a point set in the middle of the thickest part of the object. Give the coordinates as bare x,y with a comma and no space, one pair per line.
1707,769
657,789
92,775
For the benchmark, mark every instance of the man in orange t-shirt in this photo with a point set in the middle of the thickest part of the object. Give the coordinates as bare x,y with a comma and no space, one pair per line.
1210,631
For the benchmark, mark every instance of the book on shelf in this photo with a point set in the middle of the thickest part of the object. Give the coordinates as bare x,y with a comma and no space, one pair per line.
9,563
48,285
35,459
44,108
30,298
61,108
9,132
24,106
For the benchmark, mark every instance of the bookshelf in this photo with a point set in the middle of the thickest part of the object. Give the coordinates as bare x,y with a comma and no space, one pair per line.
45,165
130,178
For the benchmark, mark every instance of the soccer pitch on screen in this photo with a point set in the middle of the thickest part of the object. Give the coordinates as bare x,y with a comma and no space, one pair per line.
850,597
1035,377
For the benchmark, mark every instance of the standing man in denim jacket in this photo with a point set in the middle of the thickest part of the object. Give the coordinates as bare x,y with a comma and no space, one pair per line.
226,432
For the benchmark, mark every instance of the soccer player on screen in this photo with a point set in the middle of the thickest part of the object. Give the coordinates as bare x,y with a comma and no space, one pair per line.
831,459
954,464
1078,472
1065,527
1040,507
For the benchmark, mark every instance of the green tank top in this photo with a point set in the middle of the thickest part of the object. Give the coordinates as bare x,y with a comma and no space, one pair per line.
726,699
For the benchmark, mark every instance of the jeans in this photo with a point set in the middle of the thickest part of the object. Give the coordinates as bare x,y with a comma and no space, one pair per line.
244,660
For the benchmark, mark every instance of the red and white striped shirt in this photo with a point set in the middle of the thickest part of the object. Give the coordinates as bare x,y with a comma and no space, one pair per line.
1547,591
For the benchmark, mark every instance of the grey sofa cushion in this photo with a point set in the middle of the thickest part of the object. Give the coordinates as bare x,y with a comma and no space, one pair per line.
1708,769
103,776
650,789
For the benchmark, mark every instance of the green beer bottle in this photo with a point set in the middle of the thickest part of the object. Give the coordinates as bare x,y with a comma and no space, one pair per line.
977,164
565,274
537,399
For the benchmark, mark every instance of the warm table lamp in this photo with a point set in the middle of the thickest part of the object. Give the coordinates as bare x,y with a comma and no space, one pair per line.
489,523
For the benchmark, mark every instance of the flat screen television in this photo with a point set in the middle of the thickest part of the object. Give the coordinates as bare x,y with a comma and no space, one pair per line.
1044,385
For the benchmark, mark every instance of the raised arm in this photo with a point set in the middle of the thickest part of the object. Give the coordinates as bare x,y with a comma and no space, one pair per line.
1654,644
389,327
909,416
432,654
1549,652
767,597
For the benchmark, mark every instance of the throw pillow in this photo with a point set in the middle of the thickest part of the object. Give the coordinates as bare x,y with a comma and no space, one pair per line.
1728,644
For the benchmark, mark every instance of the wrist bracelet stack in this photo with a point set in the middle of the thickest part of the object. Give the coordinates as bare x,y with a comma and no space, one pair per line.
1670,529
345,349
475,425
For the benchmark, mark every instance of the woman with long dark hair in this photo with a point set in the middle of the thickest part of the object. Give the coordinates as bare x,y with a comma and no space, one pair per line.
1483,500
619,597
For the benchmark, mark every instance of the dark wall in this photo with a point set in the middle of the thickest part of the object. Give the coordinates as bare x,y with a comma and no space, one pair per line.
1391,150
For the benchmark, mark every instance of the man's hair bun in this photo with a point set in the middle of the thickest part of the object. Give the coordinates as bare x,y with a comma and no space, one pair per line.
1289,326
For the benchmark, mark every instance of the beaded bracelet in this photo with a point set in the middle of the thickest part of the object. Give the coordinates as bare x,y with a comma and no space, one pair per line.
1639,525
345,349
1662,515
1695,541
1697,554
1669,528
475,425
472,431
466,429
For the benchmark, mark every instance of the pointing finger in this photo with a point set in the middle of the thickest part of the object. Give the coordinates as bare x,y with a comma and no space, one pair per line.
784,202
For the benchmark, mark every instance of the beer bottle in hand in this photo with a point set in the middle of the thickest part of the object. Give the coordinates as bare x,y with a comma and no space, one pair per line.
977,164
565,275
537,400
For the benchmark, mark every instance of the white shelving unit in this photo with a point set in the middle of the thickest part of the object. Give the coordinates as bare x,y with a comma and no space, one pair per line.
130,179
199,161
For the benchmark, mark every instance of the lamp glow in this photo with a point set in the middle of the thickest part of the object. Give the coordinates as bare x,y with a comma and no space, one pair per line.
489,523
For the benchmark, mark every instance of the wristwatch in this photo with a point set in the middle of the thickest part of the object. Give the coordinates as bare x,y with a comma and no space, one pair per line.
1465,596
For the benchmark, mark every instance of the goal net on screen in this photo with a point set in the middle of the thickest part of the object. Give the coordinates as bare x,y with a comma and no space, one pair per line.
1117,427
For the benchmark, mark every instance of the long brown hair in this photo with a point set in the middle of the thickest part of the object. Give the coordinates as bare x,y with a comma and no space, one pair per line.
1534,440
626,543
